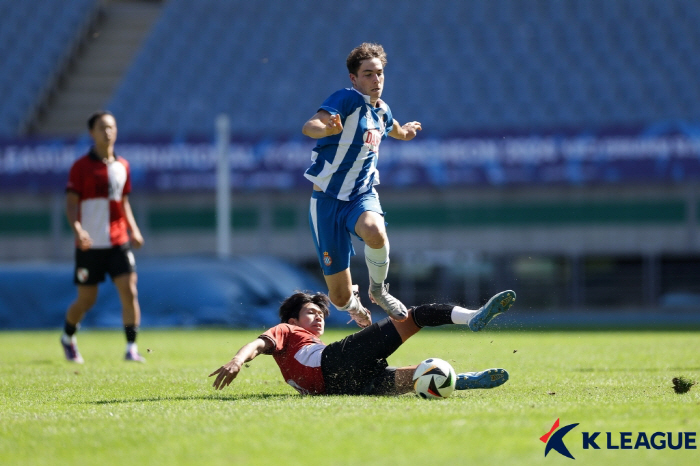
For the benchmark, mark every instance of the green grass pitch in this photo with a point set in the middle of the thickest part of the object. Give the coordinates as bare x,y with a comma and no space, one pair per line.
109,412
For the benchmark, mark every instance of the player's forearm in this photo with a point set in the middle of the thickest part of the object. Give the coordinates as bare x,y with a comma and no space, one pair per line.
398,132
129,215
74,223
314,129
406,132
248,352
226,373
72,213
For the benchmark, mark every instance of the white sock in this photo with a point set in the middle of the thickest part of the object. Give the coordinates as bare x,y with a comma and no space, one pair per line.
68,339
377,261
461,315
354,303
132,348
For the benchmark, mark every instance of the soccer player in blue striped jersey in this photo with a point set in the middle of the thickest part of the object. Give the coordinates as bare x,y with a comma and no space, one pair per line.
349,126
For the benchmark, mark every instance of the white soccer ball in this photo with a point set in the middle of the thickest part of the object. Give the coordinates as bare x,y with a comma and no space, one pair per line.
434,379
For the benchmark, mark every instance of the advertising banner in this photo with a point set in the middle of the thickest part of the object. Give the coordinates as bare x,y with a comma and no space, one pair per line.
609,157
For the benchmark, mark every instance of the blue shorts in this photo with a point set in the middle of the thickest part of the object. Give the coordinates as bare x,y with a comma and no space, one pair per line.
332,222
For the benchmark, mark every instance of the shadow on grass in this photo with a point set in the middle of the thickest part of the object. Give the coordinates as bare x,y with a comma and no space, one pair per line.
635,369
212,397
218,397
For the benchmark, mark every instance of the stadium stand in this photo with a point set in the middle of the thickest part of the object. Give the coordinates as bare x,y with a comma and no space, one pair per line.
485,68
36,39
490,65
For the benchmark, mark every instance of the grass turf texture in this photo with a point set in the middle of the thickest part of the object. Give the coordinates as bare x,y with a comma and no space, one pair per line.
110,412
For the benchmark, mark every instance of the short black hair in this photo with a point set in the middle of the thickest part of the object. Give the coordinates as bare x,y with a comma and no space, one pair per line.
98,114
290,307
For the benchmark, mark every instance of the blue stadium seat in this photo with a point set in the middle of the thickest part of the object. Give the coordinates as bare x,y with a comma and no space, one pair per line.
504,63
27,58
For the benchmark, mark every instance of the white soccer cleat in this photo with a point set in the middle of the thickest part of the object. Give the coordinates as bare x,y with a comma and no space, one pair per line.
134,356
360,314
70,349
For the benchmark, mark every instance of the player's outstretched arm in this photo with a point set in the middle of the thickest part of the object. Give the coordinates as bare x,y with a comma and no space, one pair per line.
322,124
226,373
405,132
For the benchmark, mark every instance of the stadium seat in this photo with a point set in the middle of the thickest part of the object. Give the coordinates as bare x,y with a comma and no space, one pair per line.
573,64
29,61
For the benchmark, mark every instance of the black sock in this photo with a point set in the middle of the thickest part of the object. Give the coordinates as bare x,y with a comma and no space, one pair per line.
432,315
70,329
131,331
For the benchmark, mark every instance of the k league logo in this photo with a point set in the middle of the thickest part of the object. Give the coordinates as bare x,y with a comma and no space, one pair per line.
554,439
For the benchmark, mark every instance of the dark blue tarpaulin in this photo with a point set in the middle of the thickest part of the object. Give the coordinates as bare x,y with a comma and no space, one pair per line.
193,291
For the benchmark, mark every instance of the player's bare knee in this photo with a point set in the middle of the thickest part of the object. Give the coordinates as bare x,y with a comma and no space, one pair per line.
85,300
89,299
375,238
370,227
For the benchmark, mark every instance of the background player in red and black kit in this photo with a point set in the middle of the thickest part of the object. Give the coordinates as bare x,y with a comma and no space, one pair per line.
98,211
356,365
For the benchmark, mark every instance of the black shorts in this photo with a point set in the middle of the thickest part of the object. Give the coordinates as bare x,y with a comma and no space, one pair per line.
92,265
356,365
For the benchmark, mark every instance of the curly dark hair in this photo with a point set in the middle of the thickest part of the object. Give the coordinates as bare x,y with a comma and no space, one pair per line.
290,307
363,52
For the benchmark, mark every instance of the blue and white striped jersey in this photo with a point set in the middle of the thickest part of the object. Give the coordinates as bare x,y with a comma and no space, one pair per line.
345,165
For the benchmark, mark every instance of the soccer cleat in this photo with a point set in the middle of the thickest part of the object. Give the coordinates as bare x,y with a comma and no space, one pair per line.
490,378
498,304
134,356
379,294
360,315
71,351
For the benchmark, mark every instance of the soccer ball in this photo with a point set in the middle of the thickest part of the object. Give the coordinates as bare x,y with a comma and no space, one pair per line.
434,379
